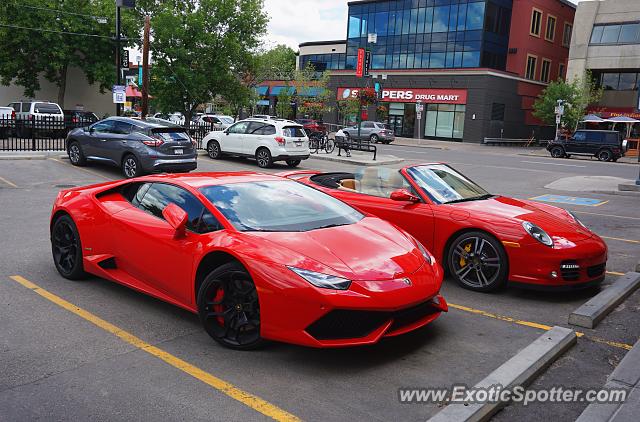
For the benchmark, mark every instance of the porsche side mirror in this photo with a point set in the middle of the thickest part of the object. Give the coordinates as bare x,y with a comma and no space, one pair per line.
403,195
177,218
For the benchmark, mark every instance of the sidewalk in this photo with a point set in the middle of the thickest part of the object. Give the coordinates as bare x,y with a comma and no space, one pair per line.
358,158
626,376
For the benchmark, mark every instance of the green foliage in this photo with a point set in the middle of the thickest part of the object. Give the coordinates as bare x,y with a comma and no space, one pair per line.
200,49
275,63
314,95
578,94
27,54
283,104
349,110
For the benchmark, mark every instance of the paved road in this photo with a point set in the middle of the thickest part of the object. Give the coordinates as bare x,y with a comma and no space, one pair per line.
56,365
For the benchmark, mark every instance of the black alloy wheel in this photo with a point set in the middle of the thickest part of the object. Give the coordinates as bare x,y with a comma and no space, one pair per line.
605,155
264,159
557,152
67,248
229,309
131,166
478,262
213,150
76,156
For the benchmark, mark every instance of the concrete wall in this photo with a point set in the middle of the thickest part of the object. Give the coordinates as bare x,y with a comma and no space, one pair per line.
78,94
340,48
582,56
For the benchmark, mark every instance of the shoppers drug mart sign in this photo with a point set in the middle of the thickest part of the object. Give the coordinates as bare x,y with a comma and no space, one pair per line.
412,95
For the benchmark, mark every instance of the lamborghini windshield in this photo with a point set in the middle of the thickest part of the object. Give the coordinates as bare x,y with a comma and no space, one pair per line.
279,206
444,185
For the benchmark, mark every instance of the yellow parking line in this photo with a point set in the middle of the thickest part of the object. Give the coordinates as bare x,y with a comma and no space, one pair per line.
600,204
536,325
93,173
13,185
620,239
248,399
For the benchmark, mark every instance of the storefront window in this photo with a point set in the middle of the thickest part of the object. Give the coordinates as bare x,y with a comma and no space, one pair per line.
444,121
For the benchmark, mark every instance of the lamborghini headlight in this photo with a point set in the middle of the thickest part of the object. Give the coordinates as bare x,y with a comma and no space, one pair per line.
323,281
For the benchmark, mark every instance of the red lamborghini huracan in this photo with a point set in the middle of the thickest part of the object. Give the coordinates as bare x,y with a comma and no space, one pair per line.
256,256
483,240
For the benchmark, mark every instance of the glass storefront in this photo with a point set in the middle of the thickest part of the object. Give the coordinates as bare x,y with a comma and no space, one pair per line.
402,118
444,121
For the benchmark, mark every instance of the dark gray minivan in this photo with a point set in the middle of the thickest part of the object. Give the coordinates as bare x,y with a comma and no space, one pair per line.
136,146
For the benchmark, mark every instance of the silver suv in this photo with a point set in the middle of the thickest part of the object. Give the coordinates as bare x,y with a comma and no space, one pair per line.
371,131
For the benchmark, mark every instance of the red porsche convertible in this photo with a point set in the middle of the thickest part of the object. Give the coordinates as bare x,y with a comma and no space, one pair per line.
483,240
256,256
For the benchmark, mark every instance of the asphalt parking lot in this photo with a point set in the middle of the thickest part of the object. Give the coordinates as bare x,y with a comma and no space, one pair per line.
58,365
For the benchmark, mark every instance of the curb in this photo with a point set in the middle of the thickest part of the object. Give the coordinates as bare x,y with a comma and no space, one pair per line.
599,306
629,188
626,376
520,370
24,157
345,160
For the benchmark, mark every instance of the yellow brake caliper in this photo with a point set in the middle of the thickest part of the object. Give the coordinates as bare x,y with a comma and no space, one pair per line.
463,261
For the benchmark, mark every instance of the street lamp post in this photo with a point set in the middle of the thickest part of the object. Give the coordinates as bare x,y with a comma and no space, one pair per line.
118,40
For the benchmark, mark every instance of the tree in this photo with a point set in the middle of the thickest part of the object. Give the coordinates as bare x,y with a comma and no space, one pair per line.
279,63
283,104
47,37
349,109
200,48
578,94
313,94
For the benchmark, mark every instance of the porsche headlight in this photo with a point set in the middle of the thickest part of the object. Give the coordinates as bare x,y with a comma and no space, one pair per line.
323,281
537,233
427,256
576,219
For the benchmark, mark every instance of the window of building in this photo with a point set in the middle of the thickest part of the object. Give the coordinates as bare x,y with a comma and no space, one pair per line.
617,81
532,63
561,71
445,121
536,22
545,70
497,112
624,33
550,33
566,34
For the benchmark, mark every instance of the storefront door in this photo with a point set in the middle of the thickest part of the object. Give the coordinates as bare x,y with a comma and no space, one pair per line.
395,124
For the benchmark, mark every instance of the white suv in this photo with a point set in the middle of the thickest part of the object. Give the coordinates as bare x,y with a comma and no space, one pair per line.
41,116
267,140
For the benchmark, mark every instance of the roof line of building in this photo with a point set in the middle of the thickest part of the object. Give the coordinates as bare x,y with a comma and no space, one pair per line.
311,43
356,2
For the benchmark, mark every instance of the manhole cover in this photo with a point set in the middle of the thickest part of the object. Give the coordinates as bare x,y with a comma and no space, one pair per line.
66,186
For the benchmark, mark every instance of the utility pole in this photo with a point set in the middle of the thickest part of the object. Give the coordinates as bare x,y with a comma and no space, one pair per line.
118,40
145,68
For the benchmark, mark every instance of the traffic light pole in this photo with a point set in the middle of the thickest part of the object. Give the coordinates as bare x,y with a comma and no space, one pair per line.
118,40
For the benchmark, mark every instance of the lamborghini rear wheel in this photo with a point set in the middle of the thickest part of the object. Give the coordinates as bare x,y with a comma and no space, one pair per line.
228,307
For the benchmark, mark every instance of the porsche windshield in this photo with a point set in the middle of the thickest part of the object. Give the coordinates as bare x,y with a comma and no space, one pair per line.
444,185
280,206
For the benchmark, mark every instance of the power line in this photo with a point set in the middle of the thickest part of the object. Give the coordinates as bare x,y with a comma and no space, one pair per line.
46,9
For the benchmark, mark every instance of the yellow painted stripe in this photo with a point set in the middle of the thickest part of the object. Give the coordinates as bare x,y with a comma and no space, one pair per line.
600,204
248,399
537,325
615,273
93,173
620,239
13,185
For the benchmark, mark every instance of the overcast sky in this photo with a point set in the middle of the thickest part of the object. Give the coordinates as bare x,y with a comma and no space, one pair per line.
296,21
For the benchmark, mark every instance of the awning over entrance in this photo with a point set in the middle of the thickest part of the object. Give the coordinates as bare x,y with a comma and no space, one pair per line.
134,92
263,102
278,89
262,90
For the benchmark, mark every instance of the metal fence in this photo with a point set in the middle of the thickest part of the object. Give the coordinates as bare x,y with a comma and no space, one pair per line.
48,133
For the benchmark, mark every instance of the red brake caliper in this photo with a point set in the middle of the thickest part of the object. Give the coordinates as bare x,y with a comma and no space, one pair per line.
219,308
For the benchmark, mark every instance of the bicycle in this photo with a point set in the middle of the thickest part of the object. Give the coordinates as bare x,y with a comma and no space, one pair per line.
320,141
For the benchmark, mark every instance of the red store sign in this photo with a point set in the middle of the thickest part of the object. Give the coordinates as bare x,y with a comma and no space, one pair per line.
411,95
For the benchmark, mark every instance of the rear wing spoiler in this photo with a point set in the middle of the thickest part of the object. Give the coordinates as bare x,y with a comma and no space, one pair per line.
297,174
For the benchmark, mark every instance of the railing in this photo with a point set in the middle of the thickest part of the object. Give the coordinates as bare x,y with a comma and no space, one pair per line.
48,133
510,141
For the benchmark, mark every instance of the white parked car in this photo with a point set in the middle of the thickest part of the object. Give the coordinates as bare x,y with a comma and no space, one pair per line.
7,121
43,116
219,121
176,118
267,140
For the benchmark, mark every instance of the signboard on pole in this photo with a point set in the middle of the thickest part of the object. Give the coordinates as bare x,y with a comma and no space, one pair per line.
372,38
124,60
360,63
129,4
367,63
119,94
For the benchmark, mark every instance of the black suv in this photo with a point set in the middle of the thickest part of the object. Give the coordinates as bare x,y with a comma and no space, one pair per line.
606,145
